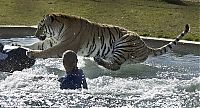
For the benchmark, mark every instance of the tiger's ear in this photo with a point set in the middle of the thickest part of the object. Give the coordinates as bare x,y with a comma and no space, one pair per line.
48,19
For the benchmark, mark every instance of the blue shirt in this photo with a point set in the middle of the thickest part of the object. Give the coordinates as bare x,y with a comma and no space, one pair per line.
74,80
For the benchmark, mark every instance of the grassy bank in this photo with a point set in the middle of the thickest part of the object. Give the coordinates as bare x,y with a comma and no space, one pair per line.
156,18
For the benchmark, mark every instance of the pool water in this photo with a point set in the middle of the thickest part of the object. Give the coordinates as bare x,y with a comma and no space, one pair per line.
168,81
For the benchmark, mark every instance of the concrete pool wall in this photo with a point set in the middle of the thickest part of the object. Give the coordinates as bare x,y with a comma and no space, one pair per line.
7,31
183,47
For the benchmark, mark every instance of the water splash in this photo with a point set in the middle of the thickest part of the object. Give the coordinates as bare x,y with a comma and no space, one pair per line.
166,81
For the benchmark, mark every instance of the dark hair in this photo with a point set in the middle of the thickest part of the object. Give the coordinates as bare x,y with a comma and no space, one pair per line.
70,56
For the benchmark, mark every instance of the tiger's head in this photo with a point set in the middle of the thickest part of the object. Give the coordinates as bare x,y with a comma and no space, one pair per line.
49,27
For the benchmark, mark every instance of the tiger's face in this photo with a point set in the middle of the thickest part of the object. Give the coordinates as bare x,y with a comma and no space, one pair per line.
47,28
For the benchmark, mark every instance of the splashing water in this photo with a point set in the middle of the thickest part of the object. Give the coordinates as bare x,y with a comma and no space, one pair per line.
167,81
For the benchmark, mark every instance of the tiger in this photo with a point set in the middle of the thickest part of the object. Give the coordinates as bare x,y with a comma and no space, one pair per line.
109,45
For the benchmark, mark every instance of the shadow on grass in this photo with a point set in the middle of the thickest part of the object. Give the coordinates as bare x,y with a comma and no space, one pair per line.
176,2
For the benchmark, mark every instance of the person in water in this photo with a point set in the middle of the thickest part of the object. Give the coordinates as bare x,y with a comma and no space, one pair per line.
74,78
14,59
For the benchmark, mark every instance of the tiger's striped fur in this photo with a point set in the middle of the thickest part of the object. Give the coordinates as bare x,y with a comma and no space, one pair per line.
110,45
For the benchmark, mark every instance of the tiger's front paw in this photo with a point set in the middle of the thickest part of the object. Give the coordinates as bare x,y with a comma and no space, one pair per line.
31,54
15,44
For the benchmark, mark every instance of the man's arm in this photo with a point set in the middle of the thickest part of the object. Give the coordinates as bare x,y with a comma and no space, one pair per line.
84,83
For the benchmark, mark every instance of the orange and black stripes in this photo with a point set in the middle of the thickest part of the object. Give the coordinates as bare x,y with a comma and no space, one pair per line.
98,40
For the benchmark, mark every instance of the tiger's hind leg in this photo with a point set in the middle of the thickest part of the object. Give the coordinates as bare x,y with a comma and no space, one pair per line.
112,65
128,47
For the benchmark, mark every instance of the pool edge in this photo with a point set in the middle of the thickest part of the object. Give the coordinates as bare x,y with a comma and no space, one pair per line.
16,31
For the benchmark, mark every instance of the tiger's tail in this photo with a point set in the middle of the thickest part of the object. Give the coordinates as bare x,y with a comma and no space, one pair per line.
164,49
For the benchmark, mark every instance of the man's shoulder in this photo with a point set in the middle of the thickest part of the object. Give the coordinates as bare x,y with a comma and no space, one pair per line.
80,70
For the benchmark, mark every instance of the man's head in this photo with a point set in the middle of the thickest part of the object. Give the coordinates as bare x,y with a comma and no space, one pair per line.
1,47
69,60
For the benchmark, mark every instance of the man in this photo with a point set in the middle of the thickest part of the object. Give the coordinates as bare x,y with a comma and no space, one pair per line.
74,78
14,59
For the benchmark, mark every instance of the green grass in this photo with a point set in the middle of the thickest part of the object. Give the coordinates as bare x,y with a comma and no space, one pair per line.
155,18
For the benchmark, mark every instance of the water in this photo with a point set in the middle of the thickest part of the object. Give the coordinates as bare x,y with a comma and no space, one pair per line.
168,81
